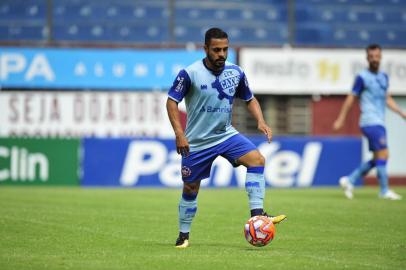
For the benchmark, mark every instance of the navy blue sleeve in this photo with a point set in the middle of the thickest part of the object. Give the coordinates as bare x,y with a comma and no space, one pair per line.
243,90
180,86
358,85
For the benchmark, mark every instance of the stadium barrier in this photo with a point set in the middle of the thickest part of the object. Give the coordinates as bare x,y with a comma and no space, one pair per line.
291,162
315,71
106,69
84,114
39,161
146,162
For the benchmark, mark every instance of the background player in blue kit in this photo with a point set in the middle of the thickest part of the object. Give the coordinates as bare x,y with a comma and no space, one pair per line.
371,87
209,87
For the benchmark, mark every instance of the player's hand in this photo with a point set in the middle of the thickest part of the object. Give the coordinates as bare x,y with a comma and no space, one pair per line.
264,128
338,124
182,145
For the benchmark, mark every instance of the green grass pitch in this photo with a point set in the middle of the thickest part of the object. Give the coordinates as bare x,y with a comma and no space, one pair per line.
86,228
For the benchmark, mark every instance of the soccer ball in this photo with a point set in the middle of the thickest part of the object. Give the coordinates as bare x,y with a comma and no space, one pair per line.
259,231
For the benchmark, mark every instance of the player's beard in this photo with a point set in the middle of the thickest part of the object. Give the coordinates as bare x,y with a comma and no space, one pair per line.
217,64
374,66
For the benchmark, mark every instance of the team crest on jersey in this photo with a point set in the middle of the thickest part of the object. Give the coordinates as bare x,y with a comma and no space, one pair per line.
226,84
186,171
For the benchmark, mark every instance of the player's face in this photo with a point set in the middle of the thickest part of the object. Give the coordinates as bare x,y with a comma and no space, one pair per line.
374,59
217,52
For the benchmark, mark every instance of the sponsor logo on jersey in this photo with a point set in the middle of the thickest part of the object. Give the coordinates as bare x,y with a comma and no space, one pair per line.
211,109
179,87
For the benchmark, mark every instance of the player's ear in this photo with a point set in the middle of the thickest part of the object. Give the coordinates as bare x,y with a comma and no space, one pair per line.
206,48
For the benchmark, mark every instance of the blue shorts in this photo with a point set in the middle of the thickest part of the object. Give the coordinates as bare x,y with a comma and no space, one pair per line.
197,165
376,136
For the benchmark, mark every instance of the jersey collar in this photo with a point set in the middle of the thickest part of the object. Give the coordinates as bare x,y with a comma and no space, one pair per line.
216,73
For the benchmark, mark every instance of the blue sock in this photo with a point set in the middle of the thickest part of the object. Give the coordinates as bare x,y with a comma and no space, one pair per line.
187,211
255,187
362,170
382,175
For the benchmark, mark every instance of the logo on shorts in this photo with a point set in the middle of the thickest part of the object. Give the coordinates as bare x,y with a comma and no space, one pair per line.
186,171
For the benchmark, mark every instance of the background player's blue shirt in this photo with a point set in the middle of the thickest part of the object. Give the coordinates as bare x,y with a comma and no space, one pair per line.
371,88
209,100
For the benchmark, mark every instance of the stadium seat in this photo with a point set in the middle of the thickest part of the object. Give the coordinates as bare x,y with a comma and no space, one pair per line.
23,33
111,33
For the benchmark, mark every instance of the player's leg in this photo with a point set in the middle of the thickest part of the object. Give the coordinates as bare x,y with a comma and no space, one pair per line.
362,170
378,144
195,166
187,211
347,182
381,159
255,184
241,151
254,181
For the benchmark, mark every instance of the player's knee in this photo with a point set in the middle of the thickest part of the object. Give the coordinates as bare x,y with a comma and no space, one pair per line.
260,160
191,188
382,154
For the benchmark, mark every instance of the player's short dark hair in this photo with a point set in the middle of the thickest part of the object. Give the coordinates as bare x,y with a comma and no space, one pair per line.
373,46
214,33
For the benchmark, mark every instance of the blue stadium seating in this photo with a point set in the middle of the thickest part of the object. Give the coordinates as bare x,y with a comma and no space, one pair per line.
241,35
346,23
23,33
342,23
257,22
111,33
23,20
23,10
111,21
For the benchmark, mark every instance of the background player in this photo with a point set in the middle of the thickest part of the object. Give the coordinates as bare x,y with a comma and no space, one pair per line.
209,87
371,87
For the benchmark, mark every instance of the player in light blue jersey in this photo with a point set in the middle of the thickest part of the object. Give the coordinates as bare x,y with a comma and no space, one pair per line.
209,87
371,88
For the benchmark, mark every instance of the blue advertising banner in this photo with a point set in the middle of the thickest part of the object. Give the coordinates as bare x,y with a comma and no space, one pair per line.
290,162
94,68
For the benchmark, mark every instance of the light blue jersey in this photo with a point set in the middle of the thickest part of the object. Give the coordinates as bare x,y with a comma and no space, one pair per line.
371,88
209,100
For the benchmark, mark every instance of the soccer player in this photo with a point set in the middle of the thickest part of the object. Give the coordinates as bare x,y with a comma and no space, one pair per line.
371,89
209,87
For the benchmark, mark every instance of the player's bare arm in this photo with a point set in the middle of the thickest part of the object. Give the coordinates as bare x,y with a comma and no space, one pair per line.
255,109
349,101
394,106
182,144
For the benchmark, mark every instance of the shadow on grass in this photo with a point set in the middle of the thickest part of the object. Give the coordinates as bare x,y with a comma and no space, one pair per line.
215,245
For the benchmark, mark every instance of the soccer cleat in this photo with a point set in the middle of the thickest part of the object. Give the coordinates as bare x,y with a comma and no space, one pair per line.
275,219
390,195
182,241
347,187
